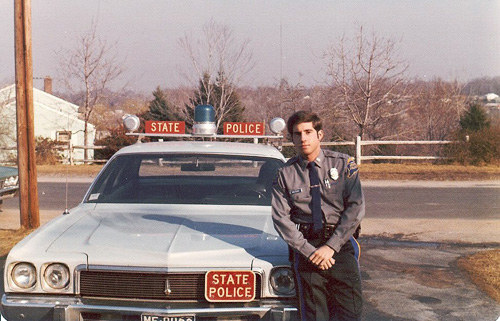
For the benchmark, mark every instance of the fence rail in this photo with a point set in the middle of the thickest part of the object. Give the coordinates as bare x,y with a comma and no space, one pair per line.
358,143
70,157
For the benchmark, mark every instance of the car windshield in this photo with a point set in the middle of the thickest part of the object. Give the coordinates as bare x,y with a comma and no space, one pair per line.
186,179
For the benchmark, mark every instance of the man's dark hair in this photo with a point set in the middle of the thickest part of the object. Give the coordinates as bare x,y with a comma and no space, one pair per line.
304,117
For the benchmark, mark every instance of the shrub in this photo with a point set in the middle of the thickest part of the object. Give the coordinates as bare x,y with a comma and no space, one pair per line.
113,142
482,147
475,119
478,143
46,151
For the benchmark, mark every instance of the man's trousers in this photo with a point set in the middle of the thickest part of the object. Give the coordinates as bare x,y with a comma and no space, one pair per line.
333,294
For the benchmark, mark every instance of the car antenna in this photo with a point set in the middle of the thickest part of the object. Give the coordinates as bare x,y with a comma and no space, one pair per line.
66,201
67,173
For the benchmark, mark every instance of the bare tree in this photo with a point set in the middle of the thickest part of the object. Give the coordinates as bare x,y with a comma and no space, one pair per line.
105,118
217,59
88,69
437,108
367,80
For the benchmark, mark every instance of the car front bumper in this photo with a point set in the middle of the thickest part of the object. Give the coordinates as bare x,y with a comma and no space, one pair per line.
9,192
34,308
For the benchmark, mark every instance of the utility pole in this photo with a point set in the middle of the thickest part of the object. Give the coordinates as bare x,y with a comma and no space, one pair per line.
26,156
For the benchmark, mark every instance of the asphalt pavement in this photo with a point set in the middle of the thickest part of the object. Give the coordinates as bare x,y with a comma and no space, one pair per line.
409,265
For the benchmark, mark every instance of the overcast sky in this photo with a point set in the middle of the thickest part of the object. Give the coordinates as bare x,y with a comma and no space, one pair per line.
447,38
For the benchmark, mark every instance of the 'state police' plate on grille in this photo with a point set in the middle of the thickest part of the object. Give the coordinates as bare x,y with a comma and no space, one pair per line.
152,317
229,286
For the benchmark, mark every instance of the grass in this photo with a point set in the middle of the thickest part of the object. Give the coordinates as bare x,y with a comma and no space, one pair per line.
428,172
484,270
368,171
76,170
482,267
9,238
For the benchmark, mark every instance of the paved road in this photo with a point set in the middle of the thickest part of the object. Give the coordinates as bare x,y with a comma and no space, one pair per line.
478,202
425,202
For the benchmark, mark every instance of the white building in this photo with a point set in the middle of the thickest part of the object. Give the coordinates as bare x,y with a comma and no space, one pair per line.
491,97
54,118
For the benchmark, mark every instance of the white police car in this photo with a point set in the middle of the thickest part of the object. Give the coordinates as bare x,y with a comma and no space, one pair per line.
177,230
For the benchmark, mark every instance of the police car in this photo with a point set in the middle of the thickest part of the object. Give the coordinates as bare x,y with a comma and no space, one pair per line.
177,230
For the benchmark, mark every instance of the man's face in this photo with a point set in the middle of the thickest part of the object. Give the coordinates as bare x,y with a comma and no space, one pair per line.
307,140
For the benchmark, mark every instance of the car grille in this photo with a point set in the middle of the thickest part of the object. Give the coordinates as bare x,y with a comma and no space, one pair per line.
146,286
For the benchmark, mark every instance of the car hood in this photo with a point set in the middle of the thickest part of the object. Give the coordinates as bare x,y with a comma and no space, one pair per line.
195,236
6,172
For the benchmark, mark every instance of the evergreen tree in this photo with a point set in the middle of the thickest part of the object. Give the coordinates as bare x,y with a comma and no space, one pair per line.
159,108
221,96
475,119
202,95
482,143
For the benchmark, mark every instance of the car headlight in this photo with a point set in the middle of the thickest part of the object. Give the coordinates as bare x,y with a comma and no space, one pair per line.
11,181
24,275
56,276
282,280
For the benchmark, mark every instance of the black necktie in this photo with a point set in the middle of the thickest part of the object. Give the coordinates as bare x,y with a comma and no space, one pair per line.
316,197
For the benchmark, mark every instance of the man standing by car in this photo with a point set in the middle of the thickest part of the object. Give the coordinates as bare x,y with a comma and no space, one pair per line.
317,206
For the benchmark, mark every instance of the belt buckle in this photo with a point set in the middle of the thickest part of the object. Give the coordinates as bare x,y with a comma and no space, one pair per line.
307,230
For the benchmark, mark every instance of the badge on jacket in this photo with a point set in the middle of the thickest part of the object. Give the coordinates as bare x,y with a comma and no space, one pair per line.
334,173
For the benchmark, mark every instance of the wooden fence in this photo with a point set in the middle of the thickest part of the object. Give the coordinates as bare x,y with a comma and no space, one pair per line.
358,143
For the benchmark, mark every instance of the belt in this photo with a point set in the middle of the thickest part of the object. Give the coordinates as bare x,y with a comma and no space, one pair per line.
324,234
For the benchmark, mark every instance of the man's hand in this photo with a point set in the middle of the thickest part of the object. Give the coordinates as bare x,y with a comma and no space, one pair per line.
322,257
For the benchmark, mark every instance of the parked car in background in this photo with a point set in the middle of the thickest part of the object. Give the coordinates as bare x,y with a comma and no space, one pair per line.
177,230
9,183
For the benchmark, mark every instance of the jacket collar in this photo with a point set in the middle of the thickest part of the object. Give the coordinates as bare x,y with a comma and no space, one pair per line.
319,160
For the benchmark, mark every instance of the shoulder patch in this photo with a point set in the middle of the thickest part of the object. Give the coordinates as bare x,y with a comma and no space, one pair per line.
352,168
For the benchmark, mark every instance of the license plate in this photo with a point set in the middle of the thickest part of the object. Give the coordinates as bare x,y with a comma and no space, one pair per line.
230,286
153,317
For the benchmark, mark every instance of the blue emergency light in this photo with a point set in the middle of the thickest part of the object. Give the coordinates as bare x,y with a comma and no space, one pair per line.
204,114
204,120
